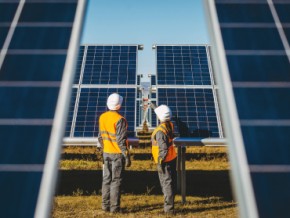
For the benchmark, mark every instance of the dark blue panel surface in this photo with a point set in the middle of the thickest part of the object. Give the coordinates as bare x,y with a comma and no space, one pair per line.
267,144
193,111
110,65
283,9
36,103
287,33
32,68
263,103
62,12
20,190
153,80
3,34
71,112
92,104
240,13
7,11
252,39
272,192
40,38
182,65
28,144
259,69
79,65
248,68
29,85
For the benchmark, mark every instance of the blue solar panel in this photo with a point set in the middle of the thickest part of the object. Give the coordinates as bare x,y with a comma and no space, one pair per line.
183,79
70,121
77,79
31,67
193,111
182,65
92,104
102,65
256,42
153,80
110,65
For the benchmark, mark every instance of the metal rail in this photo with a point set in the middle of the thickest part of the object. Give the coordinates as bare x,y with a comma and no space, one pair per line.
181,144
92,141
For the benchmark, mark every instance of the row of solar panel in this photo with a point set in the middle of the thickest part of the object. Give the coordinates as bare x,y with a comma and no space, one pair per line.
36,36
256,38
194,108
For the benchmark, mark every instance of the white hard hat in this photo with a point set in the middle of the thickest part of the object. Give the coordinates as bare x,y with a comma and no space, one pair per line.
114,101
163,113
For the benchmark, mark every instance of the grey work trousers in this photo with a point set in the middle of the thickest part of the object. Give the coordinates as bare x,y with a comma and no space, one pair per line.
113,168
167,178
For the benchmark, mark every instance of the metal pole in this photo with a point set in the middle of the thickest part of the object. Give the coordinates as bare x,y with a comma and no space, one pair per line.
183,174
178,166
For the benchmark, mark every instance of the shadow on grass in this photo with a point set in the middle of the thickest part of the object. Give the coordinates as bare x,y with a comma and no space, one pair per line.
198,183
198,210
143,208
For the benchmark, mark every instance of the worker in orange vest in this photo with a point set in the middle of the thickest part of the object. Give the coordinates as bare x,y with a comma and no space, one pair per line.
164,156
113,137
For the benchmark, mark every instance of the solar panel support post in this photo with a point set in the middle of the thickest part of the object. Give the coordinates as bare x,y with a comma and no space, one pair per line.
181,144
181,172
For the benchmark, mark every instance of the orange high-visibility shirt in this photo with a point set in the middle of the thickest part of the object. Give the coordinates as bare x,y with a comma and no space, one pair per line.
107,126
171,154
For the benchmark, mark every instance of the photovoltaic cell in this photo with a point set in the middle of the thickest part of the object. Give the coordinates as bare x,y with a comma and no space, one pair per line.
79,65
110,65
185,84
92,104
193,111
30,78
153,80
99,65
71,112
259,69
182,65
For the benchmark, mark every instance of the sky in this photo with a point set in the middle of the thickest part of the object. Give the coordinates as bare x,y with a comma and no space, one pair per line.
145,22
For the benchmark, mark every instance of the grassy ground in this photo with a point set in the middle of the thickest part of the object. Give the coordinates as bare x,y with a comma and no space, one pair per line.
208,187
143,206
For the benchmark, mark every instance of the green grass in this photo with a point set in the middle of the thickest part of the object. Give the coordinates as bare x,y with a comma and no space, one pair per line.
205,165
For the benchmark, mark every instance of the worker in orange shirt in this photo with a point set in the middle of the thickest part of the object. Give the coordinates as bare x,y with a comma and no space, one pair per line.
113,137
164,156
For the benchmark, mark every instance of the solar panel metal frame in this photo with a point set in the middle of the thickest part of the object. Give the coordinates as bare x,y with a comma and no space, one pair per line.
81,85
212,86
241,177
49,175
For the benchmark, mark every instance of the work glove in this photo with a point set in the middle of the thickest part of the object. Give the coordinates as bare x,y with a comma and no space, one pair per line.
127,160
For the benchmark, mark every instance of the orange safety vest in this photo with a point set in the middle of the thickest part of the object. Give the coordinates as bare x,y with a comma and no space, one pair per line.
107,125
155,148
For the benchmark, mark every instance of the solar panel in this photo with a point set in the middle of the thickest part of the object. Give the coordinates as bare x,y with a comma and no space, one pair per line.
33,54
110,65
193,111
182,65
102,70
185,83
92,104
255,37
